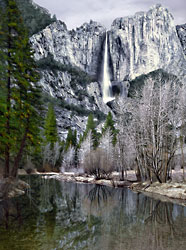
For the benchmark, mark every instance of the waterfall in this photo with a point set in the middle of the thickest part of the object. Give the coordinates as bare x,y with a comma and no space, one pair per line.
107,86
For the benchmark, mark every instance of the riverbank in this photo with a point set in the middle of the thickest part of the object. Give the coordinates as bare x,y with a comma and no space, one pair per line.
169,192
174,191
10,188
73,177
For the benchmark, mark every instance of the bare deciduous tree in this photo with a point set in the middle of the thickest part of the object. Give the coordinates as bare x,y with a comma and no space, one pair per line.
85,148
68,161
51,155
149,122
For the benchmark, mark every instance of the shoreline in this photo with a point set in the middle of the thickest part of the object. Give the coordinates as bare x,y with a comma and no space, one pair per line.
11,188
174,192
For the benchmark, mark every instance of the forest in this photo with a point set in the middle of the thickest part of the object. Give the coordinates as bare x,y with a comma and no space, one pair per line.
142,133
107,182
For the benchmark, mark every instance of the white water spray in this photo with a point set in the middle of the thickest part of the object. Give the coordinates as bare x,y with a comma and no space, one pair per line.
107,94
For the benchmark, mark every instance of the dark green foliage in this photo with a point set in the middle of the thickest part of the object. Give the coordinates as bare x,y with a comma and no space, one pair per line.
50,127
78,77
49,63
20,99
109,124
138,83
91,126
78,110
34,17
71,139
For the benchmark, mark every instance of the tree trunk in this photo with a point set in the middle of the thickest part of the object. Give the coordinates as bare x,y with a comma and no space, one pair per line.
166,167
7,149
19,154
182,156
138,174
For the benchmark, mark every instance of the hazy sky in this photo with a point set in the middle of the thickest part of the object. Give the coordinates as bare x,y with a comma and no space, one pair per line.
75,12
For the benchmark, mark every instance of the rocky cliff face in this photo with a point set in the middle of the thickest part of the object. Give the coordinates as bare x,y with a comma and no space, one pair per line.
137,45
181,30
80,47
145,42
72,109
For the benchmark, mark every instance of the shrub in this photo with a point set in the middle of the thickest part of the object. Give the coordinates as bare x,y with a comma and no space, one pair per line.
98,163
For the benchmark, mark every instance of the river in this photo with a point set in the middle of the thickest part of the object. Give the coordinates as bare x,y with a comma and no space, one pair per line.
56,215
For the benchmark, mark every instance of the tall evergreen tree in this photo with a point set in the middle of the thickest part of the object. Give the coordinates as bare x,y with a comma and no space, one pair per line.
91,126
50,128
109,125
20,99
71,139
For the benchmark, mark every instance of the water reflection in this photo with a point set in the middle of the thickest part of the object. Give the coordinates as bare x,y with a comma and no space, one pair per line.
99,194
57,215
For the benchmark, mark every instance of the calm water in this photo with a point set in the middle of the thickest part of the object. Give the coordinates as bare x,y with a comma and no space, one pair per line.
57,215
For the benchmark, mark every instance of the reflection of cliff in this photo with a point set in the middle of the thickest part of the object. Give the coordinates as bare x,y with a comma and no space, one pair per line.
160,226
133,221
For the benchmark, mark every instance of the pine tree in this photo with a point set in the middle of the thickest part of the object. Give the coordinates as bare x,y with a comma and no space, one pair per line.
69,139
20,99
71,142
91,126
109,125
50,127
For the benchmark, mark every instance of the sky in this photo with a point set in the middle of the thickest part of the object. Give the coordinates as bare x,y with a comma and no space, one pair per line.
76,12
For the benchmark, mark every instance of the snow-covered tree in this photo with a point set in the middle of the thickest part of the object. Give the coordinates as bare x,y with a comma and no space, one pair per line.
150,122
68,161
85,148
51,155
106,143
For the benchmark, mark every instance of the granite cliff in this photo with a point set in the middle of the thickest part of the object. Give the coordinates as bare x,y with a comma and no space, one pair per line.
181,30
137,45
80,47
145,42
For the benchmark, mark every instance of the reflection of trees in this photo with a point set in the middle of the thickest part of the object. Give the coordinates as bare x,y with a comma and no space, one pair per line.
160,225
50,216
138,222
89,217
98,202
99,194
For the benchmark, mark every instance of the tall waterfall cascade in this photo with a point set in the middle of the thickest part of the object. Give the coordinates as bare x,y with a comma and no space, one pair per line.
106,84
